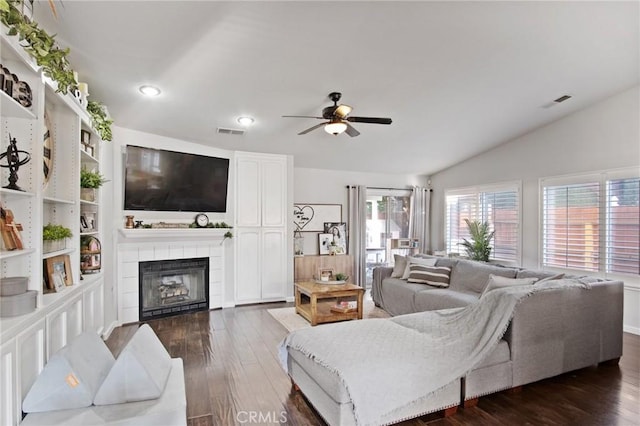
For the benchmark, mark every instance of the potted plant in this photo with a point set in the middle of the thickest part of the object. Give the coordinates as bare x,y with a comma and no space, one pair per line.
479,248
89,182
54,237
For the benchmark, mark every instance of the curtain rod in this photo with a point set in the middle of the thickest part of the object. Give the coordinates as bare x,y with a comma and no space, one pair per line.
388,189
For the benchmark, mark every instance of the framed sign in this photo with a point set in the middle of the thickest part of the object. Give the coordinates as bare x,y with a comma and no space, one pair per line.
311,217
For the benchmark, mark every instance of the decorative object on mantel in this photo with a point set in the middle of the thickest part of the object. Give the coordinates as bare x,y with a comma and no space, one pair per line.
167,225
227,234
10,231
14,162
129,224
54,237
89,182
90,255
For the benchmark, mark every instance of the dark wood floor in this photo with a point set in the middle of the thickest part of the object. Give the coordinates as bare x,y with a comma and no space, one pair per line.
232,373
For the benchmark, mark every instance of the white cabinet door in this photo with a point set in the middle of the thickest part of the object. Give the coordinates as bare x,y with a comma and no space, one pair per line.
31,347
274,276
274,192
248,190
64,324
248,274
9,402
94,307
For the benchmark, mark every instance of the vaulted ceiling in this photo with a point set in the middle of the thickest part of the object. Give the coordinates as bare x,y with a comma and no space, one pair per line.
457,78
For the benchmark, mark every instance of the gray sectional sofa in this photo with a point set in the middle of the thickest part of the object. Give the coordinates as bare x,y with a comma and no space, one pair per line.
551,332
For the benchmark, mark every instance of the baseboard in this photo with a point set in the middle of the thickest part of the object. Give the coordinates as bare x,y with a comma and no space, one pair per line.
228,305
632,330
290,299
111,327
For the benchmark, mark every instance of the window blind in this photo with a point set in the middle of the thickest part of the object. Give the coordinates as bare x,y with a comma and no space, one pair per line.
623,226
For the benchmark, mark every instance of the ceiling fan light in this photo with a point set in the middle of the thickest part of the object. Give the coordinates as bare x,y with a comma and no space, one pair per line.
335,127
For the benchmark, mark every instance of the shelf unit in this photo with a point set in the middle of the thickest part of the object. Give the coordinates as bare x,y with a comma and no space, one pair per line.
79,307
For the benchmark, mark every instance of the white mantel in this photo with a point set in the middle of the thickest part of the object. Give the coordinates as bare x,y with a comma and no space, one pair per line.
141,245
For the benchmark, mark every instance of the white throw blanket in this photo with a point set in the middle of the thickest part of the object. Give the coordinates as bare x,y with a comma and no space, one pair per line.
387,364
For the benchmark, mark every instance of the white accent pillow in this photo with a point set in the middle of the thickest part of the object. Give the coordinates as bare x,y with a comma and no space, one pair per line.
399,265
496,281
140,372
417,261
72,376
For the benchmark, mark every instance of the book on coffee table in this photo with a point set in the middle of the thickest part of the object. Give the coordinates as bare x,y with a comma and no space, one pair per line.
345,307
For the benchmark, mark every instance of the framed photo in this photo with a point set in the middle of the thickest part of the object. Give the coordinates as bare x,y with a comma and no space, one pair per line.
84,223
58,265
338,231
311,217
325,274
85,137
58,281
324,242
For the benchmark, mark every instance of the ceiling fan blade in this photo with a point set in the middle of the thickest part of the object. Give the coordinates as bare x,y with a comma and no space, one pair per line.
304,132
303,116
351,131
372,120
342,111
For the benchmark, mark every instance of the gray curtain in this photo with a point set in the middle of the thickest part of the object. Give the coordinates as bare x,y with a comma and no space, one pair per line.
357,214
419,219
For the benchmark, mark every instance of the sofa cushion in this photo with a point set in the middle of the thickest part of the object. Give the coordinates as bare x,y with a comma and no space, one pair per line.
397,295
437,276
140,372
72,376
496,282
417,261
468,275
446,261
399,265
499,355
528,273
431,299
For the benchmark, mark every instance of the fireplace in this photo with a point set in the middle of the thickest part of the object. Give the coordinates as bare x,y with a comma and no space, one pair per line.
173,287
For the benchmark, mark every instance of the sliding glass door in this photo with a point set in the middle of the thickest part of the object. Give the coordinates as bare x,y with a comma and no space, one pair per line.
387,217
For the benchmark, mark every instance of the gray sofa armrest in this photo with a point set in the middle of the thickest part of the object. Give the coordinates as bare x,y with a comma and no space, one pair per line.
561,330
379,274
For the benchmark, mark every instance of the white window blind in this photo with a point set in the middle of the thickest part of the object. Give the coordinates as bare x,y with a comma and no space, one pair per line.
623,226
499,206
592,223
571,226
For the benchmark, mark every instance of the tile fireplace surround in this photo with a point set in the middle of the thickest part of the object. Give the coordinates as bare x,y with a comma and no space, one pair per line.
140,245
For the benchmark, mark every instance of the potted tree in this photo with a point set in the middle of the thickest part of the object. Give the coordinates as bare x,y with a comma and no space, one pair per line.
89,182
479,248
54,237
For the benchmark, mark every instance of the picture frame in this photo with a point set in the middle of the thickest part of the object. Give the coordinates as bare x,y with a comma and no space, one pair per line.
85,137
338,231
311,217
324,241
325,274
58,281
58,264
84,223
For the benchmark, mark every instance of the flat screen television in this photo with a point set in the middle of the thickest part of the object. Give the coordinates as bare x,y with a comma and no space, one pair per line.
160,180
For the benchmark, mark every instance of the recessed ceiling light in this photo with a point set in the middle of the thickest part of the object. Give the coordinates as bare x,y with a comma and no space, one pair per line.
149,90
245,121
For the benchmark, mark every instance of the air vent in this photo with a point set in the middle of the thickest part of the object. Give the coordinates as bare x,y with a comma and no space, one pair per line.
562,99
225,131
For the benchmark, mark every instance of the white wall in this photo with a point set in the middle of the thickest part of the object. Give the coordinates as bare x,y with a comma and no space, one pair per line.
318,186
603,136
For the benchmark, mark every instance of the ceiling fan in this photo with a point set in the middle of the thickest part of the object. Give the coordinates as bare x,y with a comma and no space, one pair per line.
339,118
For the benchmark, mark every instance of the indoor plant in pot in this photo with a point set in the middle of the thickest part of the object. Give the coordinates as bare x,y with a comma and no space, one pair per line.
89,182
479,248
54,237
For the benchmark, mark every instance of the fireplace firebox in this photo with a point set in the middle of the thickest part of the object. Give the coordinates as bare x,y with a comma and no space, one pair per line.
173,287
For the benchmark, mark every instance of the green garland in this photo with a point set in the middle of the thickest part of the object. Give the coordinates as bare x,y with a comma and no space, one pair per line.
53,60
101,122
39,45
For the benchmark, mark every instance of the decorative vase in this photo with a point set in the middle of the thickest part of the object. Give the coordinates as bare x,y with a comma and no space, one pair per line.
49,246
129,224
88,194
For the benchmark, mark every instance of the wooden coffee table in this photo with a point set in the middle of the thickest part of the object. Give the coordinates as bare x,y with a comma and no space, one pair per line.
314,301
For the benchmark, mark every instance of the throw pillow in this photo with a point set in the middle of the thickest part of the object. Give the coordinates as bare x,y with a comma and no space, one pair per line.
399,265
417,261
140,372
72,376
496,281
437,276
